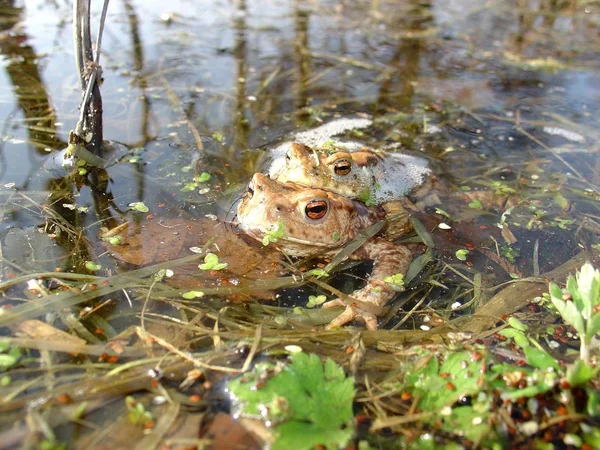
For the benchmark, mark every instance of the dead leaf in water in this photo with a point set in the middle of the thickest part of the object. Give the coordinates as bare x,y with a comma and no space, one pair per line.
36,329
159,240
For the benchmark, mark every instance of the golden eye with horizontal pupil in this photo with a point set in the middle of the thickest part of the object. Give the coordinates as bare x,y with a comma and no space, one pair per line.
316,209
249,191
342,167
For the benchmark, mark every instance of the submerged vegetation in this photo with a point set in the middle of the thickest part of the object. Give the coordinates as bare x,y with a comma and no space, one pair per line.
132,311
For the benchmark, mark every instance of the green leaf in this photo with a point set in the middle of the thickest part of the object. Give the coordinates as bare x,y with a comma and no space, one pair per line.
567,309
594,325
318,273
7,360
275,234
188,187
190,295
588,283
211,262
307,403
592,406
540,359
516,323
202,178
92,266
396,280
462,254
315,300
139,207
475,204
580,373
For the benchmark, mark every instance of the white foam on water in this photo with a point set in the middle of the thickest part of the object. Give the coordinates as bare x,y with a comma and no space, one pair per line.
318,136
398,176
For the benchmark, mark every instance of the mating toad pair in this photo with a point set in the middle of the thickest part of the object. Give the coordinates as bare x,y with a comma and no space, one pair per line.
317,200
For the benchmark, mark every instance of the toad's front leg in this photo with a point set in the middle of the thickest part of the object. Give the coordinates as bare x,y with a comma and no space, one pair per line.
388,259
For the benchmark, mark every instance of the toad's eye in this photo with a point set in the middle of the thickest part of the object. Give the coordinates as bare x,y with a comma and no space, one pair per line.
316,209
288,156
249,191
342,167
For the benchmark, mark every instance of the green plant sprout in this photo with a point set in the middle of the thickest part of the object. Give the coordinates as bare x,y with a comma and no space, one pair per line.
579,305
274,235
396,280
315,300
211,262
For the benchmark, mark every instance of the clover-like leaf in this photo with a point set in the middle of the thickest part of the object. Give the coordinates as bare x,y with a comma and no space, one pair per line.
202,178
139,207
396,280
315,300
475,204
461,254
211,262
275,234
92,266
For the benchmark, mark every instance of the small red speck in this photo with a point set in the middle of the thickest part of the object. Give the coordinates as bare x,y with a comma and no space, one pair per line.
63,399
470,246
113,359
469,263
10,275
476,356
405,396
450,386
149,425
153,383
350,350
98,331
161,205
103,357
362,419
227,164
195,398
445,375
503,317
58,269
207,385
564,384
483,227
562,411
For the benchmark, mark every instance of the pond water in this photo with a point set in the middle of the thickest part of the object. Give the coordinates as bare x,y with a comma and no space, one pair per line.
503,96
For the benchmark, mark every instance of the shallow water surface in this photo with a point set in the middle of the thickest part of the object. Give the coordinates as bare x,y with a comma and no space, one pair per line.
502,96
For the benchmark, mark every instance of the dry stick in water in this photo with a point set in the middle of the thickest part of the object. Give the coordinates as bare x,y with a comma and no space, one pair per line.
88,66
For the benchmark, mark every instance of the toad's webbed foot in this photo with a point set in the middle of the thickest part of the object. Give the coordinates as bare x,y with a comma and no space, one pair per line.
370,300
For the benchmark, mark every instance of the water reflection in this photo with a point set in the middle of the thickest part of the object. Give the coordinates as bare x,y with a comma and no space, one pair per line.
203,85
25,76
